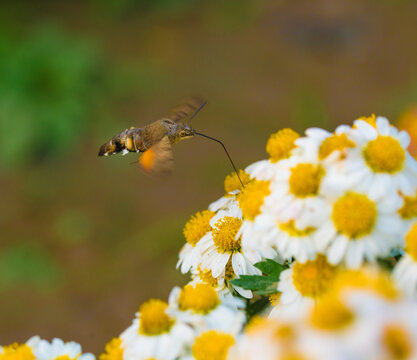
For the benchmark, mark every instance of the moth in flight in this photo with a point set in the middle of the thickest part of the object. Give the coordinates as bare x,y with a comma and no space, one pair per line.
155,140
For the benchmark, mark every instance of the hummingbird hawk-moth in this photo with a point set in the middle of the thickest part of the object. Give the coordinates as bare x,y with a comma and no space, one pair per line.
155,140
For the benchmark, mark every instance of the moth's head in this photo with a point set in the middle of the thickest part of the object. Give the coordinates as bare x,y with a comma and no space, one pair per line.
186,131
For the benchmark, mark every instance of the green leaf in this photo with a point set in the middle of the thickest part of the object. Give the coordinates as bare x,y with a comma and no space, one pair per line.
252,282
271,268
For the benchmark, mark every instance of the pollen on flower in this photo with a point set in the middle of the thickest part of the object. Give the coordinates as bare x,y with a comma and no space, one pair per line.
201,298
113,350
153,318
64,357
224,234
206,277
229,273
197,226
331,314
397,341
212,345
17,351
232,183
334,143
411,242
354,215
371,120
252,198
409,208
305,179
384,154
280,144
314,278
292,230
274,299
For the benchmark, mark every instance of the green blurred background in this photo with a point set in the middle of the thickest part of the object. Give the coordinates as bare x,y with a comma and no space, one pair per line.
84,240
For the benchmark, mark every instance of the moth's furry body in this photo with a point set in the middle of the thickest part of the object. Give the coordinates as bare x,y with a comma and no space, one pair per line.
142,139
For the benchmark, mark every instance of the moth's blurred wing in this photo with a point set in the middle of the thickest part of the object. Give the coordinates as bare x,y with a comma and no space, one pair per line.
158,159
186,109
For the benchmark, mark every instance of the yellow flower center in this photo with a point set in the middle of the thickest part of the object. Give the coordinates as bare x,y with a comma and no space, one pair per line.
331,314
64,357
305,180
232,183
200,298
292,230
197,226
212,345
280,144
354,215
313,278
371,120
397,341
285,332
411,242
252,198
334,143
17,352
153,318
224,234
366,279
113,350
409,208
206,277
384,154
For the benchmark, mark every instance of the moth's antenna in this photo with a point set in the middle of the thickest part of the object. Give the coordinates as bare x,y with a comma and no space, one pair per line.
224,147
197,111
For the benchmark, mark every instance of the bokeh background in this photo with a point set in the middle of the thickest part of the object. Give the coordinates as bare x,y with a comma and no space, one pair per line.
84,240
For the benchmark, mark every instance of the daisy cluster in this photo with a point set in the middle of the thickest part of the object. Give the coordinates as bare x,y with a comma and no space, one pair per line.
319,203
310,254
197,323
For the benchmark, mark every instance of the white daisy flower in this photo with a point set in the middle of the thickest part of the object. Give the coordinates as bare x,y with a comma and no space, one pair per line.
324,145
201,306
286,238
222,251
294,192
155,334
279,146
358,227
194,231
303,283
380,164
58,350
